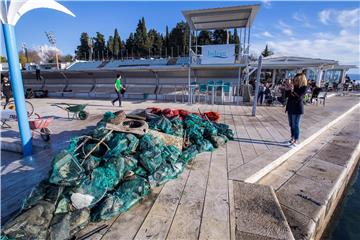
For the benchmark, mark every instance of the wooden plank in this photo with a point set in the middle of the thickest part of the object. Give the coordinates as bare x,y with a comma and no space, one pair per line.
281,125
215,222
159,219
127,225
247,148
265,135
186,223
234,153
263,115
253,134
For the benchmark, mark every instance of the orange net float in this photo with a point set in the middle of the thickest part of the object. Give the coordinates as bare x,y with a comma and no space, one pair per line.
213,116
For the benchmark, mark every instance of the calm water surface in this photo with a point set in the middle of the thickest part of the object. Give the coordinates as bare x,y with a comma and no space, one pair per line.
347,222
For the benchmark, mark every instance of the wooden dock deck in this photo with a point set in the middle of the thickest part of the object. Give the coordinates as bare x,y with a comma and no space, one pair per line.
198,204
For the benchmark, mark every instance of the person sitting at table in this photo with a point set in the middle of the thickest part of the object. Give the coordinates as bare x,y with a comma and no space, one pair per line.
267,93
315,93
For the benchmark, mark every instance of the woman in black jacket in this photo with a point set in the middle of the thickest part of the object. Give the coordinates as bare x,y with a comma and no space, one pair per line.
295,106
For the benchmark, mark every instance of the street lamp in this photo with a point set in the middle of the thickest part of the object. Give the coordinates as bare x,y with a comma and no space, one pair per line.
52,40
10,13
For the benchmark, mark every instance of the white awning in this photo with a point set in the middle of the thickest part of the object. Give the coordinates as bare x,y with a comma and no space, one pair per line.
221,18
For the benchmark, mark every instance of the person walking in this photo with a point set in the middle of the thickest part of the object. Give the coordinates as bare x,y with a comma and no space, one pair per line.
118,90
37,73
295,106
6,89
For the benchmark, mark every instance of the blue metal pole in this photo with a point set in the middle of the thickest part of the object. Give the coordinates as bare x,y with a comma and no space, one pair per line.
257,83
17,88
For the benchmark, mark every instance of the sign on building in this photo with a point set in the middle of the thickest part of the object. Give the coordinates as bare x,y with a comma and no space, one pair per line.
218,54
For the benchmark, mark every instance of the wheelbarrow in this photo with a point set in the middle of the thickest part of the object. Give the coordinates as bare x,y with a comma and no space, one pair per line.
77,110
40,126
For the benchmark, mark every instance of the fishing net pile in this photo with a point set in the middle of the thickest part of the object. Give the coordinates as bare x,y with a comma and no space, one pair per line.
106,172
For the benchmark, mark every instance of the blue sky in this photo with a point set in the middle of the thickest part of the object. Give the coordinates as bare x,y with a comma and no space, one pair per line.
308,29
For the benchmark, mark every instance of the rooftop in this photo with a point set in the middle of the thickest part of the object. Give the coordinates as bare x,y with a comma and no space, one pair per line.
221,18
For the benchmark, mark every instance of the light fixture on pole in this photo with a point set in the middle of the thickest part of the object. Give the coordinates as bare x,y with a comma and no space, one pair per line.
52,40
10,13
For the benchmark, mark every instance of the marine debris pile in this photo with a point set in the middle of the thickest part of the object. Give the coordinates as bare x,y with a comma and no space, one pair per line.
106,172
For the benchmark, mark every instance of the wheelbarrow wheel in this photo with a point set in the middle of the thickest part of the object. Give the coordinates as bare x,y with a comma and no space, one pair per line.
45,134
83,115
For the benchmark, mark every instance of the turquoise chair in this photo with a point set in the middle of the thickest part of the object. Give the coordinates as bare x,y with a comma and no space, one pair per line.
219,82
227,90
203,91
210,84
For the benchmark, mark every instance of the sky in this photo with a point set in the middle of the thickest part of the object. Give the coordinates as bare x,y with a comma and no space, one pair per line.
325,29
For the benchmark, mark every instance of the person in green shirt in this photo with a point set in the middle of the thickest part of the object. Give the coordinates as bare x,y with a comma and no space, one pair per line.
118,88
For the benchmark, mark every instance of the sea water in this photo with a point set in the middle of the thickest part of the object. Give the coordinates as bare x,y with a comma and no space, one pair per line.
354,76
346,225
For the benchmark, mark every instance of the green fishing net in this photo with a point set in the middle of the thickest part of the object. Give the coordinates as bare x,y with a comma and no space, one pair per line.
124,197
118,174
67,170
161,124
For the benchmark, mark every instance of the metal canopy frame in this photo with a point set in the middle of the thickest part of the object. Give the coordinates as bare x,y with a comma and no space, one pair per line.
240,17
221,18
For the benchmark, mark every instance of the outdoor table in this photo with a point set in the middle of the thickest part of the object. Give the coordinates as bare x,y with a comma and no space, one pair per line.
213,92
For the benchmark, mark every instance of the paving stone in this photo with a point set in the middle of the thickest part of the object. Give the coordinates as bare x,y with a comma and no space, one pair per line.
303,195
301,226
335,154
248,236
273,180
321,172
258,212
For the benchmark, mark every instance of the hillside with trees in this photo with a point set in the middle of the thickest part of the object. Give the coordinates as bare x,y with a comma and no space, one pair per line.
144,43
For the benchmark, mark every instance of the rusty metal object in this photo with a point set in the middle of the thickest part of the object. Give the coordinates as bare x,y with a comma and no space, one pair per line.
120,117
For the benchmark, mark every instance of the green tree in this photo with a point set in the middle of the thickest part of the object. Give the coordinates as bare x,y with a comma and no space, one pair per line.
99,46
179,39
110,47
236,40
3,59
204,37
267,52
166,41
130,45
117,44
142,43
219,36
67,58
156,41
82,51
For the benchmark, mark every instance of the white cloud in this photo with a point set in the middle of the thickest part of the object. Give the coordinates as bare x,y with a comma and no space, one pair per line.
283,24
46,51
267,34
343,47
344,18
287,32
301,17
285,28
324,16
323,35
349,18
266,3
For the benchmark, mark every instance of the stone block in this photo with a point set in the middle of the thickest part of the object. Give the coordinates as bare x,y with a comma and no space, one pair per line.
258,213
